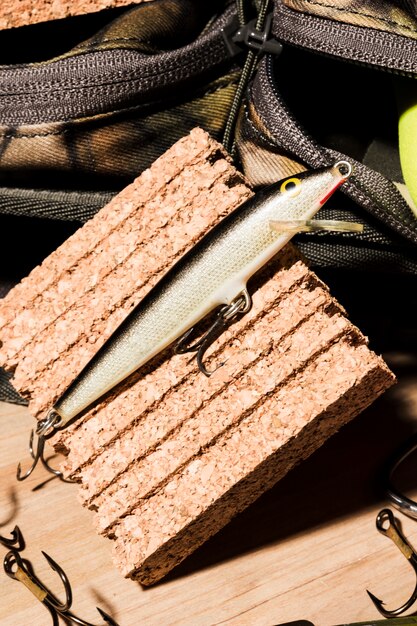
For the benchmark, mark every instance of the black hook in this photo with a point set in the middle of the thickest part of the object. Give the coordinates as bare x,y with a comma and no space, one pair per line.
16,543
45,429
36,456
387,525
21,570
241,304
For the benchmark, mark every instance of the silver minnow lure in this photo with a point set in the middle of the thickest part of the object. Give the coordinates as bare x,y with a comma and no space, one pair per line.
213,273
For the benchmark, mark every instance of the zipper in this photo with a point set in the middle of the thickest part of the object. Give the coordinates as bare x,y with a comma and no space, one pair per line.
255,35
369,189
98,82
365,45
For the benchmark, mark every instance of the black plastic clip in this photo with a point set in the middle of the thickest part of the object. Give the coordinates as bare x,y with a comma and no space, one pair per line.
238,37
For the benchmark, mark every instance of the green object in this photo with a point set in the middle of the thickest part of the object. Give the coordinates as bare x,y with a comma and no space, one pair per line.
407,133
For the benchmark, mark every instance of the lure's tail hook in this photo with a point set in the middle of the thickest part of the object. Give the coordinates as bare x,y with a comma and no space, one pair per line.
386,524
44,430
240,305
20,569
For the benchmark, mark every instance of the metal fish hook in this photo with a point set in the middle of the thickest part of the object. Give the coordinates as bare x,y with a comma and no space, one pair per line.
16,543
401,502
393,531
45,429
227,313
21,570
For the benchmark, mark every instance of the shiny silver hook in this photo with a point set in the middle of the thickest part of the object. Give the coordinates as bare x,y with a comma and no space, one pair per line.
45,429
21,570
386,524
401,502
240,305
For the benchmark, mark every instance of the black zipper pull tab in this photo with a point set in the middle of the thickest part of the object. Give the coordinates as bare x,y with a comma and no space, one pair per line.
238,37
254,36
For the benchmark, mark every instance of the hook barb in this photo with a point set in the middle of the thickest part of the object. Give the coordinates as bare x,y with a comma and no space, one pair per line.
16,543
35,457
107,618
59,606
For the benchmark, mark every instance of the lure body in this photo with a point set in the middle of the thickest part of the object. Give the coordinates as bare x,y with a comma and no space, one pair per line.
213,272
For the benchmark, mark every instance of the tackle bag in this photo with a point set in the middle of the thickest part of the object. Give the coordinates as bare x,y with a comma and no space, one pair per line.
88,102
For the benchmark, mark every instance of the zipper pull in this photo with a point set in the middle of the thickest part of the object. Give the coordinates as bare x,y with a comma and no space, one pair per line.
237,37
256,36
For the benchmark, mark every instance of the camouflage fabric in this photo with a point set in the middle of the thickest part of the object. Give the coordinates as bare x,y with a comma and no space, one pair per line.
107,151
276,136
396,16
282,129
150,28
56,168
114,142
154,76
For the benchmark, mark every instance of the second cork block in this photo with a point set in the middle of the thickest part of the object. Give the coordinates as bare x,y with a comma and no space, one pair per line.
170,456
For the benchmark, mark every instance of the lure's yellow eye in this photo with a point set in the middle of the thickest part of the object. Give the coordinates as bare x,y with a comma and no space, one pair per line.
291,186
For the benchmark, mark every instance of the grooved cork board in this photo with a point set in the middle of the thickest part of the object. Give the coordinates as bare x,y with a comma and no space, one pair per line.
170,456
15,13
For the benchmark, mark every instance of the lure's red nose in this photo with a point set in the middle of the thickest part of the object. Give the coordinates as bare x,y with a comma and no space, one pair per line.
343,171
332,190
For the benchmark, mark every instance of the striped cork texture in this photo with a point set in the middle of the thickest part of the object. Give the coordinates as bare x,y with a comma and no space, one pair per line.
170,456
15,13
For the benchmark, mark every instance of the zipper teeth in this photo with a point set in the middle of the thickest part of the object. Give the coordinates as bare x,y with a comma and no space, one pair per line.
364,45
97,82
54,102
287,133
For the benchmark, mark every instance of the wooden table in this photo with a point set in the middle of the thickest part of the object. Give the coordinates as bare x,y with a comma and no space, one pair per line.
308,549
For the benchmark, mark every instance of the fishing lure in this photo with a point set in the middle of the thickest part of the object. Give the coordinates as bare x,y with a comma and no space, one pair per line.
214,273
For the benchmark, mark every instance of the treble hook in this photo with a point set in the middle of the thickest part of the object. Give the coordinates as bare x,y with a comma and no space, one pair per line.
20,569
241,304
393,531
45,429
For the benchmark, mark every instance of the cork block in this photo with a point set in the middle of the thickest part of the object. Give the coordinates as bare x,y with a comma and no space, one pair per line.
15,13
170,456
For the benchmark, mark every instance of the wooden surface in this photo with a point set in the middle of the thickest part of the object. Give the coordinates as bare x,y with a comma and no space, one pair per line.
308,549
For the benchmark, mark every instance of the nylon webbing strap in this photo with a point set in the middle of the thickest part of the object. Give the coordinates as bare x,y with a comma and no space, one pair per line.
59,205
7,391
